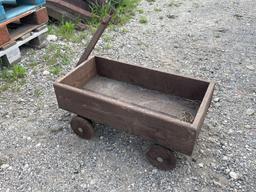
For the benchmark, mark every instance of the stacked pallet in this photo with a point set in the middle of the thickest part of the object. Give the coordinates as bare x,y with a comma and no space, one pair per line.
21,22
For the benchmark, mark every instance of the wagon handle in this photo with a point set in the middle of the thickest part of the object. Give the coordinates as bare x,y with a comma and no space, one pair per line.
95,38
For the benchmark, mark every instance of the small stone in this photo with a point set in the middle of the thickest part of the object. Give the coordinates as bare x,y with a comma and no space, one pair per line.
233,175
227,170
5,166
216,99
26,166
101,137
201,165
46,73
247,126
38,145
250,111
250,67
93,181
28,138
217,183
84,186
52,38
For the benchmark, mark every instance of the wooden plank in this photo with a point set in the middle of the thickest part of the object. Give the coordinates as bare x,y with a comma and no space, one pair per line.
199,119
79,76
181,86
11,54
27,24
70,8
15,18
135,120
94,39
22,30
38,17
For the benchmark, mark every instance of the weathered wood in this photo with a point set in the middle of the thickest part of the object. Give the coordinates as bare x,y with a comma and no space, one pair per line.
38,17
94,39
4,35
69,7
189,88
26,24
205,104
138,120
11,52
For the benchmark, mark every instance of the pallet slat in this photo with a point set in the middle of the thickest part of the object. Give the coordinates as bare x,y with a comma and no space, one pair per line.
11,31
12,54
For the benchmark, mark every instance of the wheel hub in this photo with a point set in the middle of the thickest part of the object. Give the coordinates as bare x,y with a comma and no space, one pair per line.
80,130
160,159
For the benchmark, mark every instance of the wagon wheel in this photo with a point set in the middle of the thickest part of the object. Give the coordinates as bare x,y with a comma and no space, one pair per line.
82,127
161,157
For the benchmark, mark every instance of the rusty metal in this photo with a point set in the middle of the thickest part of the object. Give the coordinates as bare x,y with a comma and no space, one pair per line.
138,100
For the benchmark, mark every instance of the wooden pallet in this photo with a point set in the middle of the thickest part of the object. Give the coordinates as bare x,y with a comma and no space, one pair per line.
11,53
13,8
18,26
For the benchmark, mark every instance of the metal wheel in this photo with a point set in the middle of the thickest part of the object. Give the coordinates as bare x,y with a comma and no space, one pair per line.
82,127
161,157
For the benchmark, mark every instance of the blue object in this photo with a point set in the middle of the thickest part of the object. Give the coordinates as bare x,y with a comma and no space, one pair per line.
22,7
2,12
10,2
30,2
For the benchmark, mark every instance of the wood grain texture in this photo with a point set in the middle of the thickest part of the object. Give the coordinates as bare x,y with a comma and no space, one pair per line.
119,112
160,81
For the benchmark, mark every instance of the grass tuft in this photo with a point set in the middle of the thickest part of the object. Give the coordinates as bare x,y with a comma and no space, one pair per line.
14,73
143,19
12,77
124,11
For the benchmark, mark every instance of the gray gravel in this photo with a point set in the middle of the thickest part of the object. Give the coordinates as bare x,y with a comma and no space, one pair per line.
208,39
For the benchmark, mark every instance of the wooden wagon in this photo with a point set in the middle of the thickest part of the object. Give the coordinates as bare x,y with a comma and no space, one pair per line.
166,108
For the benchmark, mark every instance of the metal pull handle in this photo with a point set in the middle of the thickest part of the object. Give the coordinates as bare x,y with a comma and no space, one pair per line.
95,39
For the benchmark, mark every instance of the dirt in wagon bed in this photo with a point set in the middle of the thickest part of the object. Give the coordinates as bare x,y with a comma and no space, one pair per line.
176,107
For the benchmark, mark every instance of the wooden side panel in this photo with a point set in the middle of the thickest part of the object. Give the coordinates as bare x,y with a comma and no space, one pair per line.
199,119
79,76
164,82
178,136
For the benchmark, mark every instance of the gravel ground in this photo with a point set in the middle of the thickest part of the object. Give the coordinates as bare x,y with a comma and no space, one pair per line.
208,39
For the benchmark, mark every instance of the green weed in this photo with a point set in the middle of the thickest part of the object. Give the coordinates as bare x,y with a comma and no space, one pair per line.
55,70
174,3
67,29
14,73
57,54
143,19
124,10
140,11
38,92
